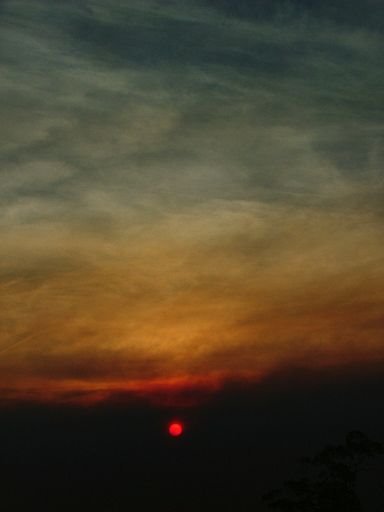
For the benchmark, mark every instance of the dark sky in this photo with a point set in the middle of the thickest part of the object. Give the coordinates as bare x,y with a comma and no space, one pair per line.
191,225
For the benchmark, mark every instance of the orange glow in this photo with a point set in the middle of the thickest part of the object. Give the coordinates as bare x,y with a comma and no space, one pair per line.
184,390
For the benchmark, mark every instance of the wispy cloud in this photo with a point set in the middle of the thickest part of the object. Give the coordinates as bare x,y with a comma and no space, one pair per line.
193,189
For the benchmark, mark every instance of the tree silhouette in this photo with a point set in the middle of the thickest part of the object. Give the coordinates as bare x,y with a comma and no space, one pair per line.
330,484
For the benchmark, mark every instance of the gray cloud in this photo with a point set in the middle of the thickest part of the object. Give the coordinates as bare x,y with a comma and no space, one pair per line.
110,92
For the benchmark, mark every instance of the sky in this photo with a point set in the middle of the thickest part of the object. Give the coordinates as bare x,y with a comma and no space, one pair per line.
191,194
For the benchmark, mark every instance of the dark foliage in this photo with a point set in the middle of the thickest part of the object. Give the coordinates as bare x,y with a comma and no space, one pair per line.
330,481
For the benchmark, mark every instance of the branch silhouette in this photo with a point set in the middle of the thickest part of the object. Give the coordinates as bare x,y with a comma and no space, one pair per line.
330,484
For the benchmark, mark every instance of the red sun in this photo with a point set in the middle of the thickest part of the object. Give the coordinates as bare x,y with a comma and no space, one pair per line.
175,429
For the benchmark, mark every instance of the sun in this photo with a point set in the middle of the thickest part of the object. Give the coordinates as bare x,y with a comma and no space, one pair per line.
175,429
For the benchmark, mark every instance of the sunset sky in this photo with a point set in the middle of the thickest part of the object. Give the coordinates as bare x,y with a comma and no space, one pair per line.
191,192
